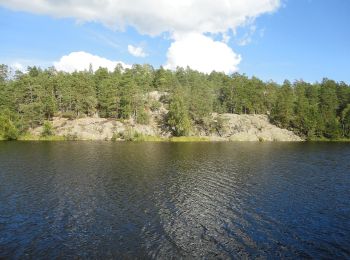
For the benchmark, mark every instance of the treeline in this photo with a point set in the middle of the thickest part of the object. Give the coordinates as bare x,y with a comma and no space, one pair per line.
27,100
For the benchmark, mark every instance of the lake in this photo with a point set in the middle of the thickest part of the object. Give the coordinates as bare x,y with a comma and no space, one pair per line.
174,200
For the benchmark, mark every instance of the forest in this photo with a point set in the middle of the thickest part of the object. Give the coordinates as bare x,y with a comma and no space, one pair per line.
28,99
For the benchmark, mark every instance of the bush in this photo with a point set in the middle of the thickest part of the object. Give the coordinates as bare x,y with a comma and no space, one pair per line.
219,125
177,118
129,135
116,136
11,133
155,105
143,118
47,129
8,130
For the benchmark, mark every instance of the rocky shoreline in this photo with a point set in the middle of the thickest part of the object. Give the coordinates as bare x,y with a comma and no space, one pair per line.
235,128
218,127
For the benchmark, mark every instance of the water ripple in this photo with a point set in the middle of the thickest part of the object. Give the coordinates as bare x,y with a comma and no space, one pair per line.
171,201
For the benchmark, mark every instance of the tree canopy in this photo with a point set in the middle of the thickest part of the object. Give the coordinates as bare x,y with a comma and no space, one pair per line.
27,100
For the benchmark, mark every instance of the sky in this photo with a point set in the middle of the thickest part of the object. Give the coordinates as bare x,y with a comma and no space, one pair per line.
270,39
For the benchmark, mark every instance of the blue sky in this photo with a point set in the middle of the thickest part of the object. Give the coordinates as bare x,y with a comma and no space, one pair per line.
298,39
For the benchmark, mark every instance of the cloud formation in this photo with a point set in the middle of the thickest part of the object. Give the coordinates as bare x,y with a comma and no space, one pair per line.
80,61
154,16
203,54
136,51
188,22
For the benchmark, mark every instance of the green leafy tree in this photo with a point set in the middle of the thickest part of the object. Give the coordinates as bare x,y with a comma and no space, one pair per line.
283,111
305,119
108,100
178,118
328,108
8,129
345,121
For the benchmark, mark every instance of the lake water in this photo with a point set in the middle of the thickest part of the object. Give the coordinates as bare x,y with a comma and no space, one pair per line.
172,200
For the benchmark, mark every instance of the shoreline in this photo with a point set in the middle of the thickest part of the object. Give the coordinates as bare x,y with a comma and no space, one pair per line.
182,139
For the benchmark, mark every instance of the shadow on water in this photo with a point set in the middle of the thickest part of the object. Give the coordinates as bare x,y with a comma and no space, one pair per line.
171,200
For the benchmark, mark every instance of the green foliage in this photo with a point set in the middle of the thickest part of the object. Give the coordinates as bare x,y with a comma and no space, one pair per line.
178,118
9,125
201,102
180,139
163,79
129,135
305,118
345,121
283,110
108,100
143,117
47,129
116,136
219,125
155,105
27,100
8,130
215,125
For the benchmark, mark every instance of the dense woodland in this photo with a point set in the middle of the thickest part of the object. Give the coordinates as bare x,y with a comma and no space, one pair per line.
314,111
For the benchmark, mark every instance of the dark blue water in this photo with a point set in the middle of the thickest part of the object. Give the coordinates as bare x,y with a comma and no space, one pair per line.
168,200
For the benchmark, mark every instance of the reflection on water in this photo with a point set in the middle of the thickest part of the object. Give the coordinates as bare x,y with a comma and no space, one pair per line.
164,200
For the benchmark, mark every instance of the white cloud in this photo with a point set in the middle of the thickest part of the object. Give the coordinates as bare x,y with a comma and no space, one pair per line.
185,21
154,16
136,51
248,36
202,53
80,61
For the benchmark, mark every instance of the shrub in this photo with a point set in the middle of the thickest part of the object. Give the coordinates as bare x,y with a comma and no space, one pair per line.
8,130
143,118
155,105
47,129
217,125
177,117
11,133
116,136
130,135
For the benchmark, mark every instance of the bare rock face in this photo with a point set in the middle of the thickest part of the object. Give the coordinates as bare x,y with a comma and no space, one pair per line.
235,128
221,127
253,128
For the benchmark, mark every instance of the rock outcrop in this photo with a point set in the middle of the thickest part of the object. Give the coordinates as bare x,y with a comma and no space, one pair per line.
232,127
252,128
236,128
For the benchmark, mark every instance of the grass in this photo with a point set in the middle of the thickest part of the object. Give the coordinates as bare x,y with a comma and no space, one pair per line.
137,137
148,138
189,139
29,137
53,138
329,140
